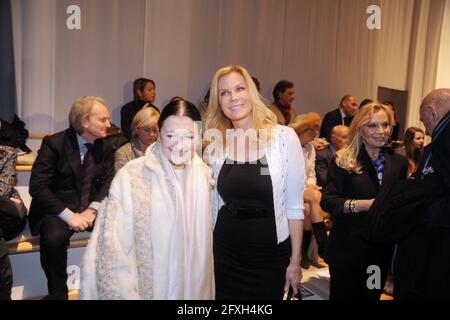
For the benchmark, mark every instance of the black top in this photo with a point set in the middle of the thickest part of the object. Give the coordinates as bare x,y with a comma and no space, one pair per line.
246,184
127,114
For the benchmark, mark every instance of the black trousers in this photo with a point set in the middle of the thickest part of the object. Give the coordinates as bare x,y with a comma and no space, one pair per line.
351,284
12,222
54,241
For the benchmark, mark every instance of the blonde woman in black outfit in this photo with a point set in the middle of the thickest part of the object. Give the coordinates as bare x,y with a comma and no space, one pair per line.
355,178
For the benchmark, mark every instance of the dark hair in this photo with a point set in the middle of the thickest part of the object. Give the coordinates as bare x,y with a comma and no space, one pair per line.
363,103
412,153
391,104
179,108
139,84
281,87
257,84
175,98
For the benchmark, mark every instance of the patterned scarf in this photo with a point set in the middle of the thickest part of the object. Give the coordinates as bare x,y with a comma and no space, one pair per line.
379,166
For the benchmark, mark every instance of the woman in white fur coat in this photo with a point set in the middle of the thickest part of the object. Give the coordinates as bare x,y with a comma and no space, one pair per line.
153,236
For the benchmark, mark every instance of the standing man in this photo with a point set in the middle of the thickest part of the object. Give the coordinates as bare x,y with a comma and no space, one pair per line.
423,258
342,115
70,178
283,95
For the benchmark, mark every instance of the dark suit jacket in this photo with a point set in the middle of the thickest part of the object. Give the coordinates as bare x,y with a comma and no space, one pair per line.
347,248
56,177
323,161
428,244
331,119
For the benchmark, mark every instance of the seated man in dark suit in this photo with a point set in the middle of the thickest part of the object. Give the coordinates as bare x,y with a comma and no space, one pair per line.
70,178
342,115
338,139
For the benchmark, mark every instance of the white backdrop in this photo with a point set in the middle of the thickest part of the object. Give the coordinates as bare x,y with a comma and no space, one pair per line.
323,46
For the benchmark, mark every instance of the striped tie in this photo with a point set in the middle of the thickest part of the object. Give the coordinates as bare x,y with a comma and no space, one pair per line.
87,172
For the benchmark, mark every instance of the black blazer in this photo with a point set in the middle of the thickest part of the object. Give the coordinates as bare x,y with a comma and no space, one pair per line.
331,119
347,247
428,242
55,181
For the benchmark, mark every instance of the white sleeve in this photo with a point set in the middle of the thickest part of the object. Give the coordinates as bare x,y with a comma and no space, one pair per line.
295,183
311,170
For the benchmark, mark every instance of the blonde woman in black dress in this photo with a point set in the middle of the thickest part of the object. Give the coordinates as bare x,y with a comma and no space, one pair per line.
258,201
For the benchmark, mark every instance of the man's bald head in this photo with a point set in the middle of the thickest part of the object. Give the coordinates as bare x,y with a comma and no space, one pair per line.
339,135
434,107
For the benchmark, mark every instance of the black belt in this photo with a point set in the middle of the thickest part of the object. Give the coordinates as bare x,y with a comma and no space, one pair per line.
248,210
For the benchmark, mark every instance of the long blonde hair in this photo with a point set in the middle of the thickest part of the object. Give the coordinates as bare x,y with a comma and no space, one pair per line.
263,118
347,157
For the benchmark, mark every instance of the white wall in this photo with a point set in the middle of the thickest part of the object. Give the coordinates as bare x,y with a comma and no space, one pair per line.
323,46
443,73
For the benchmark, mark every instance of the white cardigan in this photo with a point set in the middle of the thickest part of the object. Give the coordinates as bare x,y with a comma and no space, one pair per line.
286,166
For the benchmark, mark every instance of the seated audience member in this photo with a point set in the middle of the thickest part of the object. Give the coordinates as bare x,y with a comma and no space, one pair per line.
396,127
14,134
69,179
283,95
338,139
307,127
355,177
12,216
143,93
342,115
145,131
413,148
364,102
153,235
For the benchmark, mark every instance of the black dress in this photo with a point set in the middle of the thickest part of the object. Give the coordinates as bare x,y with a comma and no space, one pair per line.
248,262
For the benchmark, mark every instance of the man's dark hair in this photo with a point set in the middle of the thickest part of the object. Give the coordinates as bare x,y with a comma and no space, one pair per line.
281,87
